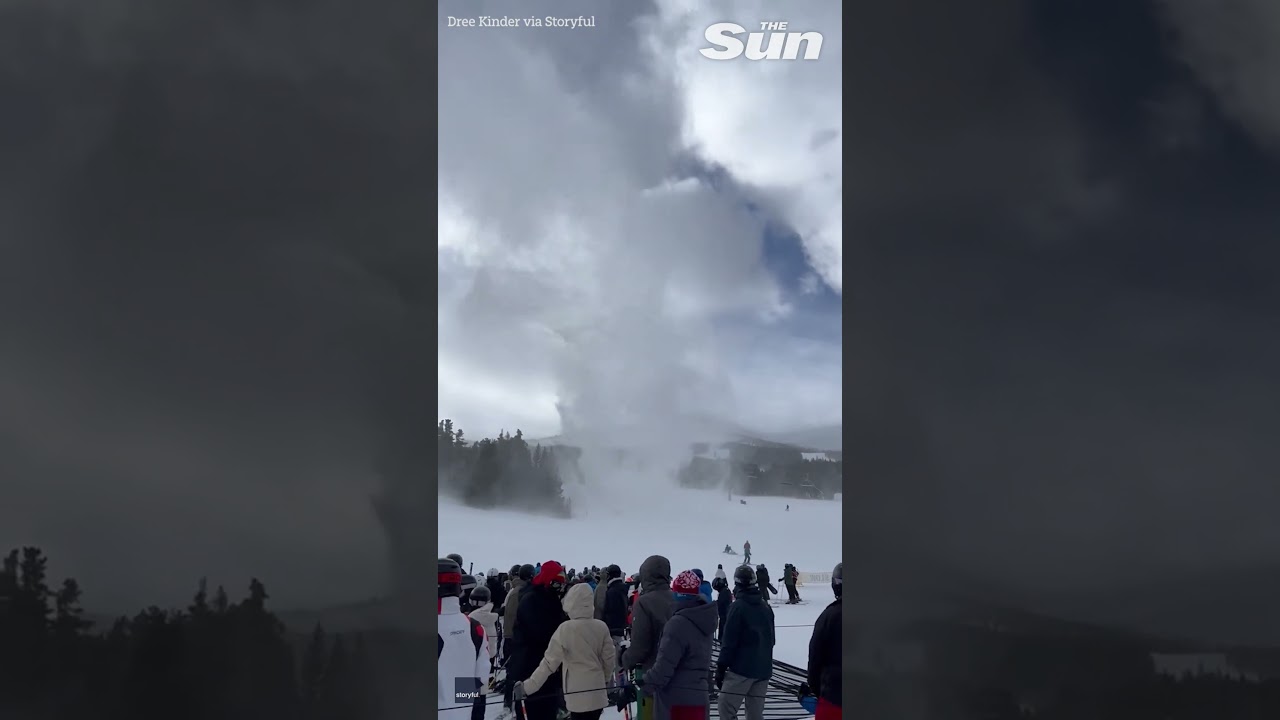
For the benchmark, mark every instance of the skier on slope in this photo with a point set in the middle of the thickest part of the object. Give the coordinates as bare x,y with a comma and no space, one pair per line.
460,648
581,646
820,693
746,553
746,651
789,576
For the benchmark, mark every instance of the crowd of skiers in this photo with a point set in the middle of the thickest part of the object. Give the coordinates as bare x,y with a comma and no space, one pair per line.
573,643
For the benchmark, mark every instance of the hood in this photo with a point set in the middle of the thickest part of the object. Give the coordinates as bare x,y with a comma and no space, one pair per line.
579,603
702,614
750,595
655,573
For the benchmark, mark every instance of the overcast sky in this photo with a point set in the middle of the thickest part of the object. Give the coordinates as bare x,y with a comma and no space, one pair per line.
628,230
213,274
1062,291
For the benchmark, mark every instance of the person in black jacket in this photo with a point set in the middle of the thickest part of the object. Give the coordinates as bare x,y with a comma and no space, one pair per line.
746,651
724,598
538,616
762,574
615,610
825,647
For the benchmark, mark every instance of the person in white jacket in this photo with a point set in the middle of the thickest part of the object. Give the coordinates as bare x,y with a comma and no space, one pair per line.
482,612
461,651
582,647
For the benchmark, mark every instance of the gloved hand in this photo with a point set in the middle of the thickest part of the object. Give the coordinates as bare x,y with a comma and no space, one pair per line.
720,670
517,691
810,704
493,683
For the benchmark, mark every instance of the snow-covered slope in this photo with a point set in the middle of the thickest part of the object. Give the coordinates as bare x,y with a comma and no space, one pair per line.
689,527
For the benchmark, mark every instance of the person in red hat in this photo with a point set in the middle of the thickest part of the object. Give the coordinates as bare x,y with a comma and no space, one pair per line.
679,679
538,617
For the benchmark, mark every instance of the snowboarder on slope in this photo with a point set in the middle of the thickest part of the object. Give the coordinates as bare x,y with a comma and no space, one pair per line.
746,652
460,647
581,646
746,552
762,575
825,647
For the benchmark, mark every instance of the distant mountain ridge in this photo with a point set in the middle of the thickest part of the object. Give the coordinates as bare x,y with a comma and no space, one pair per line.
822,438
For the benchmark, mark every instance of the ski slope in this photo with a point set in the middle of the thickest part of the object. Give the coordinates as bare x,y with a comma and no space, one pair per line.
689,527
625,525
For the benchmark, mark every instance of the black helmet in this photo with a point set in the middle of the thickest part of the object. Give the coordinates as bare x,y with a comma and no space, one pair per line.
613,571
514,571
744,576
525,572
760,567
468,583
480,596
837,579
719,584
448,577
456,558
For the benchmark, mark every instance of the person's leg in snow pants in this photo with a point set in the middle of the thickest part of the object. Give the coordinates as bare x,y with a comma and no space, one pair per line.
737,691
827,711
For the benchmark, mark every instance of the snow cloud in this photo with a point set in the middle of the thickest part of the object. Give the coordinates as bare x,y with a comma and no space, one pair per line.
616,213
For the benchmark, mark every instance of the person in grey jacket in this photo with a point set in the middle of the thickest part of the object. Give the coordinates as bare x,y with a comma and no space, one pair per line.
511,644
746,650
602,583
649,615
679,680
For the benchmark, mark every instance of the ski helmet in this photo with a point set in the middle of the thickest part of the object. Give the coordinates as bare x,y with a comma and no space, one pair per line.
448,577
480,596
493,573
525,572
468,583
552,575
613,571
456,558
744,576
514,571
837,579
719,584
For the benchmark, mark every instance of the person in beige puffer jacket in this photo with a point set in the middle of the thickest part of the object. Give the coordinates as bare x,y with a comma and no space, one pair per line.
583,648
